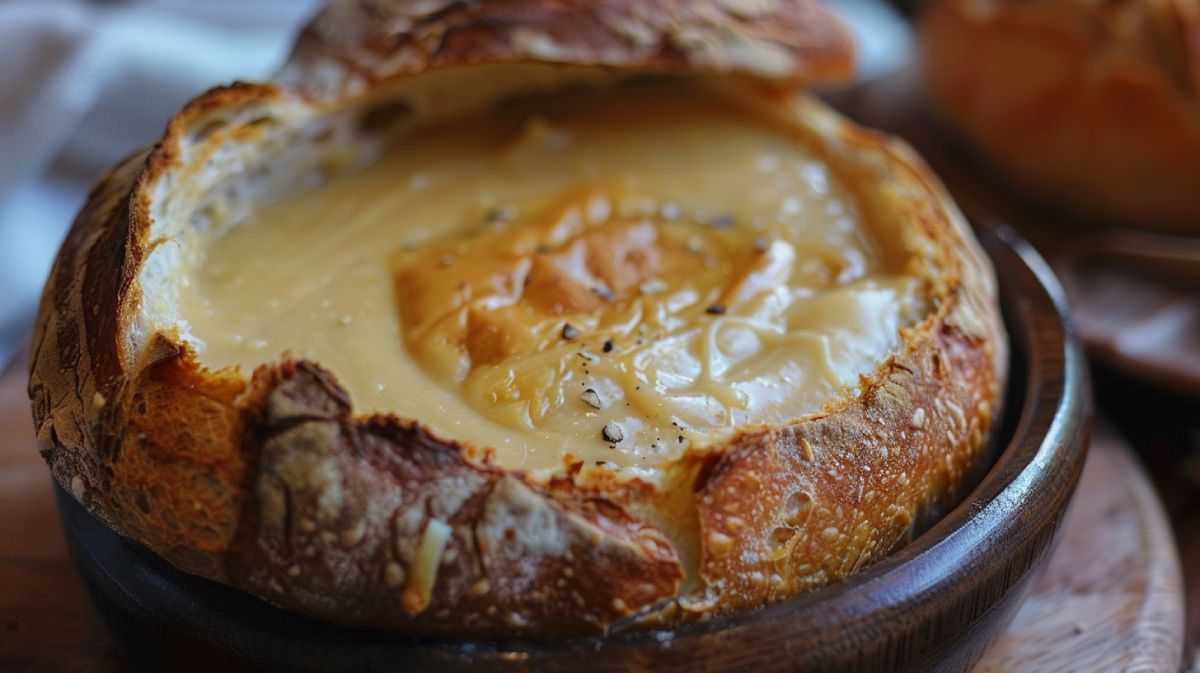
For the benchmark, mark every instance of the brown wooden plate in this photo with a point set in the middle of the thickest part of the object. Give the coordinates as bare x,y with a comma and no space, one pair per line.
932,606
1136,298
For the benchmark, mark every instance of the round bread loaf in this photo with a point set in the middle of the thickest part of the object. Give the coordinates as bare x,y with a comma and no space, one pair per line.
1090,106
598,400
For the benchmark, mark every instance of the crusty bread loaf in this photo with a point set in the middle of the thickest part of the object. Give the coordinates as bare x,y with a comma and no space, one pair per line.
1092,107
275,484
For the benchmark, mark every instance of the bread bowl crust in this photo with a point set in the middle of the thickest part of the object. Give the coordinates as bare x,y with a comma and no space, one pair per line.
1091,108
272,484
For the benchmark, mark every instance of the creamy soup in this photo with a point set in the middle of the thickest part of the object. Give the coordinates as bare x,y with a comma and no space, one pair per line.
593,277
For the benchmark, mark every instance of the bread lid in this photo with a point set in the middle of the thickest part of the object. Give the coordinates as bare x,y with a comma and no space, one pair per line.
353,46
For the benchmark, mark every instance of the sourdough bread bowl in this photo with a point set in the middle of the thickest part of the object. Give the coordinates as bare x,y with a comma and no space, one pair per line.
522,318
1088,106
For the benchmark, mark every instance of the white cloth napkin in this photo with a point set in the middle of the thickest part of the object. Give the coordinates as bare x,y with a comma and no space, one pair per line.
83,84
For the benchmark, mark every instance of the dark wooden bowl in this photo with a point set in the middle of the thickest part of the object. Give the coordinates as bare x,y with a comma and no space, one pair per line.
932,606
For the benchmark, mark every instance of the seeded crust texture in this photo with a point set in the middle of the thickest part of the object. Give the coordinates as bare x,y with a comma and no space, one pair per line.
273,484
1090,106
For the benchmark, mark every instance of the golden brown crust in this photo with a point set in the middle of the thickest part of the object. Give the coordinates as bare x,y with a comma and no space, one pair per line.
1091,106
341,505
355,44
271,484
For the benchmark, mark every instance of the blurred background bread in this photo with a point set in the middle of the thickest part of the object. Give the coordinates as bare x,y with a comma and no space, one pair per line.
1088,105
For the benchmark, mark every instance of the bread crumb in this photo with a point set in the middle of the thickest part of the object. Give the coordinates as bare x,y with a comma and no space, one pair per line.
78,487
806,449
393,575
719,543
353,535
479,588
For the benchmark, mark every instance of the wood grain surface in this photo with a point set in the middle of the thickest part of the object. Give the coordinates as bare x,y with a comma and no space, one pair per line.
1110,598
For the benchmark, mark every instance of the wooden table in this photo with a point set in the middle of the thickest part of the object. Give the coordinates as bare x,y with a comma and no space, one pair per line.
1111,598
46,621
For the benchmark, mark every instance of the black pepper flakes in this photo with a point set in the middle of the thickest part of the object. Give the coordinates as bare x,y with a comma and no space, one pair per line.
721,221
498,215
569,331
613,433
603,292
715,309
591,398
608,345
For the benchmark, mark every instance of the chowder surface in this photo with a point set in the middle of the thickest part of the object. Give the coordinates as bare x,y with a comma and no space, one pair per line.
596,277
